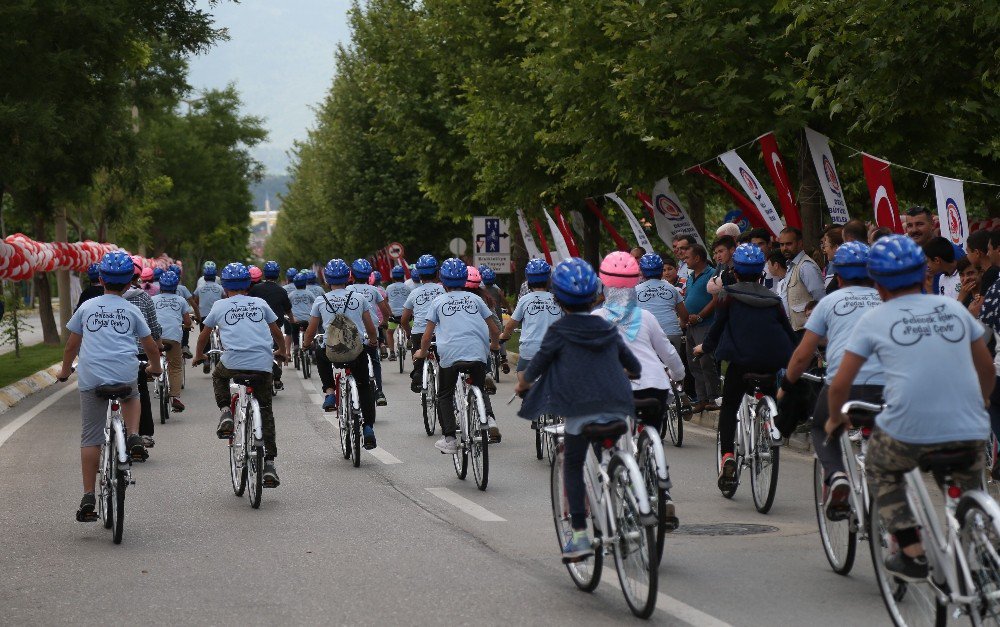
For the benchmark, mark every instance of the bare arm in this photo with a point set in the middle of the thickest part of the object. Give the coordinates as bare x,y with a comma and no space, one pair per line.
508,328
69,354
307,339
370,329
840,389
200,344
682,313
404,321
494,333
984,368
279,340
425,340
802,356
152,349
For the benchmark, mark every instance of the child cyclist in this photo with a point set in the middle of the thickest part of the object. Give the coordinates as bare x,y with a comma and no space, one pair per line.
579,372
535,312
248,329
938,379
104,331
396,294
174,315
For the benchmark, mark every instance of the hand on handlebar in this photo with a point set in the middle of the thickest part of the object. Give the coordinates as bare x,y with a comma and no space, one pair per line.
63,375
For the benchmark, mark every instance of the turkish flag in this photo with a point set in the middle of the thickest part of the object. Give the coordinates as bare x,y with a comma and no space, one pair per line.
779,174
882,193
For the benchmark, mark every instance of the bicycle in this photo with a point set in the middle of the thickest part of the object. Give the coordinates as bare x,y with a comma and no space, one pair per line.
115,470
246,444
673,419
545,444
961,553
162,387
303,356
991,483
653,466
622,520
754,448
471,427
399,339
428,392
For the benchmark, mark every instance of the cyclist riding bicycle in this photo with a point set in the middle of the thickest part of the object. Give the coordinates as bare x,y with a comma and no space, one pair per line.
835,319
341,300
536,311
752,333
142,301
465,332
290,275
248,329
396,293
302,301
206,267
579,372
361,269
925,344
312,285
256,275
174,315
416,307
208,292
103,332
186,294
499,304
94,289
662,299
277,299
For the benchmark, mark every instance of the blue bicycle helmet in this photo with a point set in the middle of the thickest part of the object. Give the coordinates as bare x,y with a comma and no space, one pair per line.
157,273
454,272
427,265
574,282
651,266
310,277
748,259
336,272
291,273
537,271
300,279
361,268
93,272
235,276
169,281
272,270
398,272
487,274
175,269
378,277
117,268
209,269
896,261
851,261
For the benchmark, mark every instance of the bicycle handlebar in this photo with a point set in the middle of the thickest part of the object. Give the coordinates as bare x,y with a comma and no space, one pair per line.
813,377
851,407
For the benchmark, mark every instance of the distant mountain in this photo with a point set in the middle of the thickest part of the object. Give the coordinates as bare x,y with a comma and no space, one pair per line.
270,187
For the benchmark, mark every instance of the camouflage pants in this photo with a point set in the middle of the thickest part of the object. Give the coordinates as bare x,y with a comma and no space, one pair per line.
220,385
889,459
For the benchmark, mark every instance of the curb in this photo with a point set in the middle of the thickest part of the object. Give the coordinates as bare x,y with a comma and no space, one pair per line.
19,390
710,420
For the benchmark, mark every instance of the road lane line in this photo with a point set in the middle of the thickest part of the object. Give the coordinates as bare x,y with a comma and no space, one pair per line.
679,609
384,456
17,423
476,511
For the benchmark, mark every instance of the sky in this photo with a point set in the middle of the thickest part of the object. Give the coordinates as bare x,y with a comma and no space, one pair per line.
280,56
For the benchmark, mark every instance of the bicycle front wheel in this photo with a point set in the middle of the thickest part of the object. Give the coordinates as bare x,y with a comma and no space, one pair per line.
108,461
429,403
237,460
479,449
657,495
306,365
164,402
586,574
840,538
118,504
635,545
254,460
979,533
355,436
910,604
764,462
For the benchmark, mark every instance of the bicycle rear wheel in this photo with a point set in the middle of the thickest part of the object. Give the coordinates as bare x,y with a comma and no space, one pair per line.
764,462
586,574
400,350
344,421
549,439
237,460
910,604
306,364
657,495
840,538
118,484
672,424
635,546
460,458
979,534
254,460
429,403
355,436
540,437
107,477
164,400
479,449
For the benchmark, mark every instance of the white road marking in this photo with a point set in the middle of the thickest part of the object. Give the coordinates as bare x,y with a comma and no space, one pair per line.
19,422
472,509
679,610
384,456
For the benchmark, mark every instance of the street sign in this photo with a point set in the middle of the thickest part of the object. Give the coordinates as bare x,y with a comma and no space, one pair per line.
395,250
492,240
457,246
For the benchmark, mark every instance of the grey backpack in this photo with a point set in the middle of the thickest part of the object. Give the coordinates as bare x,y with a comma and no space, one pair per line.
343,339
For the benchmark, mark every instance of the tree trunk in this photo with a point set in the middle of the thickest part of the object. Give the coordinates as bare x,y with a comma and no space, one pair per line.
43,292
591,238
811,202
696,209
62,278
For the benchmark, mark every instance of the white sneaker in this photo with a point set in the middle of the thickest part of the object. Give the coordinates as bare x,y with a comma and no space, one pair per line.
447,445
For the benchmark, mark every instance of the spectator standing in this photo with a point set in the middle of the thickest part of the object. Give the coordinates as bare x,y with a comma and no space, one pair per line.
701,307
804,280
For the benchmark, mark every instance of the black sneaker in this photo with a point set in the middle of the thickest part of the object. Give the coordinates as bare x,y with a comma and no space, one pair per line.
278,385
270,478
416,387
504,367
225,430
380,399
87,511
136,448
206,367
369,437
907,568
838,504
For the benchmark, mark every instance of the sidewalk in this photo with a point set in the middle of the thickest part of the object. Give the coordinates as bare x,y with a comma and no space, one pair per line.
33,336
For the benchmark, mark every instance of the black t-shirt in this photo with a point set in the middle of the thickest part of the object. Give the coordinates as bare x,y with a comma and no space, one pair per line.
989,278
275,296
92,291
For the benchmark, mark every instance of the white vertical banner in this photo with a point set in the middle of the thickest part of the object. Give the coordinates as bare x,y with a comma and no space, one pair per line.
951,210
557,238
576,219
529,242
826,172
640,234
741,172
670,217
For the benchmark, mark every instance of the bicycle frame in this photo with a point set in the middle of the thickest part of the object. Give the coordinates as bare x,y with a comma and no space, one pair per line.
659,457
431,362
854,466
462,388
114,428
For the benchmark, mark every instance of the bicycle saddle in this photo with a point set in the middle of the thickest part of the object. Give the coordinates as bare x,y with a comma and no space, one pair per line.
598,431
646,408
249,380
763,379
948,461
113,392
467,366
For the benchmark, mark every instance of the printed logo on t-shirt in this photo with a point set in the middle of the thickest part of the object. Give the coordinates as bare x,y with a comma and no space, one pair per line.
425,297
247,311
853,302
336,304
117,320
536,307
452,306
167,303
914,327
656,291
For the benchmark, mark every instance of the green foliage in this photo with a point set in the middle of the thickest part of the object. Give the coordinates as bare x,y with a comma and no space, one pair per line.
12,323
31,360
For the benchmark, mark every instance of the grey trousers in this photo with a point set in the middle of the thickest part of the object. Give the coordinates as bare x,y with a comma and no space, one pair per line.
704,369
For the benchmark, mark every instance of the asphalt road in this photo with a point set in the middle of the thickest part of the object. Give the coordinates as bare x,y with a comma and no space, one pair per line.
398,541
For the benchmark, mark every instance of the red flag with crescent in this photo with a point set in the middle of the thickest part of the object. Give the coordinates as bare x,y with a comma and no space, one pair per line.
883,194
779,174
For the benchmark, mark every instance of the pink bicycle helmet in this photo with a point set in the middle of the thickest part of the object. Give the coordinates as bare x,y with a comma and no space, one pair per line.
474,278
620,269
255,274
147,274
